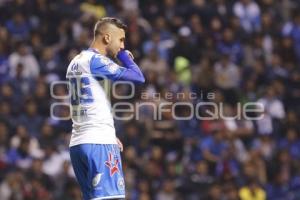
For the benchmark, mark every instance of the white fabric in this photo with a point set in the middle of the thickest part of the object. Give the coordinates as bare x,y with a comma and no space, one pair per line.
96,125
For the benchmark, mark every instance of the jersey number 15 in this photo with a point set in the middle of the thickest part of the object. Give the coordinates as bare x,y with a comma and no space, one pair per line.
81,92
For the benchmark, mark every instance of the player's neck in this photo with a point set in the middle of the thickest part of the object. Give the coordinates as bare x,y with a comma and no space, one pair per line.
98,48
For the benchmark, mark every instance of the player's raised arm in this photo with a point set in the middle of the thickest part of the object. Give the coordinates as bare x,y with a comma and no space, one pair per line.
132,71
106,68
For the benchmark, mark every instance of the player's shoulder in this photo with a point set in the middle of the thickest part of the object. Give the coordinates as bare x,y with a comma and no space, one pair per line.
102,59
83,55
103,64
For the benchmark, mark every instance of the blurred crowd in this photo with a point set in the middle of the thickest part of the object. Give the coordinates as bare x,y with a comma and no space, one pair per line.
238,51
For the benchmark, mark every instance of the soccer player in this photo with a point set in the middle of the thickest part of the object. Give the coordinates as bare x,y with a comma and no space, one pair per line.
94,147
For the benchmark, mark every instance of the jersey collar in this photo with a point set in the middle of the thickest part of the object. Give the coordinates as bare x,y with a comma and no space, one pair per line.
93,50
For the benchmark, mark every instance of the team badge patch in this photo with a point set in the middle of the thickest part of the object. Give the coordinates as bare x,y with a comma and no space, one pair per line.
105,60
112,68
112,164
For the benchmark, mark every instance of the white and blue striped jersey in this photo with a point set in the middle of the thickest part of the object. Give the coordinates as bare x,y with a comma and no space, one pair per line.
90,107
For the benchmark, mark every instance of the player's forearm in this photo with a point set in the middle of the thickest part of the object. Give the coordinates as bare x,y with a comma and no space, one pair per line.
132,75
132,72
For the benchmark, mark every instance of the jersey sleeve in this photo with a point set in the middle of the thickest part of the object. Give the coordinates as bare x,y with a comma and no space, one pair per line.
103,67
132,71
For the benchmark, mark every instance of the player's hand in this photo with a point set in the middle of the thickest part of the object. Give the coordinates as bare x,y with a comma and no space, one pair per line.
130,54
120,144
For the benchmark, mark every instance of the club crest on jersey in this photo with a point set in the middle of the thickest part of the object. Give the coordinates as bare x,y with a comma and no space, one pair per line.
112,164
112,68
105,60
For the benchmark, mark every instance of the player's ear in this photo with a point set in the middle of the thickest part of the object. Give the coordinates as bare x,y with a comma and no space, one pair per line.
106,39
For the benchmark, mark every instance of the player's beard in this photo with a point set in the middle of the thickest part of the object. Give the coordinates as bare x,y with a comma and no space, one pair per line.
111,53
